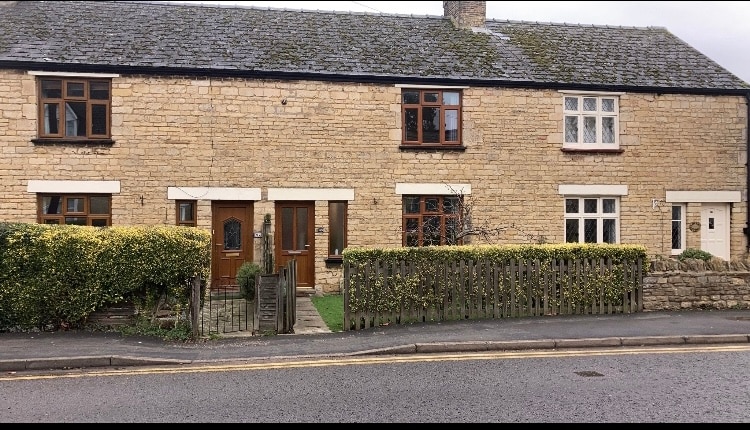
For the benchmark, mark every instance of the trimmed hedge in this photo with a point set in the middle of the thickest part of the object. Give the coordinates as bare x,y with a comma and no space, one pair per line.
54,276
387,280
497,253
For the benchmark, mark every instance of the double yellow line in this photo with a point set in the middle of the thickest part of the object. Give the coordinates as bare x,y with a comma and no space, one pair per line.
238,365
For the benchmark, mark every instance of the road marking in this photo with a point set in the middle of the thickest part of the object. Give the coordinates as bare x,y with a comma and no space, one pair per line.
239,365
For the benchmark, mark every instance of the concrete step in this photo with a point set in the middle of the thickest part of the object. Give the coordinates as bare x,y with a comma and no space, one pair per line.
305,292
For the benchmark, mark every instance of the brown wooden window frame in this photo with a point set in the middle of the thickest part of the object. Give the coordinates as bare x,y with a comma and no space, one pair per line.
418,222
337,225
63,102
65,212
408,104
193,213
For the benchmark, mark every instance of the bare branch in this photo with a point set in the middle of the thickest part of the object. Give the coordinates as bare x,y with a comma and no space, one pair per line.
437,230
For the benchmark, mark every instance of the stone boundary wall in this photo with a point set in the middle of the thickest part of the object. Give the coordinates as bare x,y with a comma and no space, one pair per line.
694,284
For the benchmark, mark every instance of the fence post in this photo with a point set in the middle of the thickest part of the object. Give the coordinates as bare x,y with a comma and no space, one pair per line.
268,309
195,301
281,300
346,287
267,253
639,284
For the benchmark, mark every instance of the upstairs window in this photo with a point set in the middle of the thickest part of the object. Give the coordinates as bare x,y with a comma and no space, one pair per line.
431,220
431,117
74,108
591,122
91,210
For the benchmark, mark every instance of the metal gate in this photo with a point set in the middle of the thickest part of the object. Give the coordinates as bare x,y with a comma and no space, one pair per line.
273,311
226,312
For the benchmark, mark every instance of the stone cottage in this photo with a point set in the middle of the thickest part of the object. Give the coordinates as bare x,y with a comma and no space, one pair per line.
366,130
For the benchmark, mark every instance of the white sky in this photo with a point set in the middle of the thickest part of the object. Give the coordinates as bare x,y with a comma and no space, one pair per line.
719,29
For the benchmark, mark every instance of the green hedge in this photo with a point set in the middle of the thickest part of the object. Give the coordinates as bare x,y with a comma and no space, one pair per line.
497,253
386,280
55,276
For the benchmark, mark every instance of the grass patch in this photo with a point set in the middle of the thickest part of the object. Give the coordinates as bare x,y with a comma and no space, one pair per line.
331,309
143,327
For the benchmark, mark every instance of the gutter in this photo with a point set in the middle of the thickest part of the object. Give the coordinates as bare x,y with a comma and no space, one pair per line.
357,78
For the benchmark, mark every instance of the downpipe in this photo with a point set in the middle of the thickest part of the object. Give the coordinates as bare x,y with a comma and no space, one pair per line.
746,230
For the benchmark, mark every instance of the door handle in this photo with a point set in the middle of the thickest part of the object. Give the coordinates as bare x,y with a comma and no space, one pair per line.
307,246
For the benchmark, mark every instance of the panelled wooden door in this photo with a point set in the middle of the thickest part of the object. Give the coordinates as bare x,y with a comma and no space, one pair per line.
232,233
295,239
715,229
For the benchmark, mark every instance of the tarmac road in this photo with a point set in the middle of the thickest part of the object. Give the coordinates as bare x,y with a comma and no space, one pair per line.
83,349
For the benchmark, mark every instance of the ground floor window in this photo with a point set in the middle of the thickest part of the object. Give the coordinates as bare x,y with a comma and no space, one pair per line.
592,219
678,229
431,220
336,229
186,213
75,209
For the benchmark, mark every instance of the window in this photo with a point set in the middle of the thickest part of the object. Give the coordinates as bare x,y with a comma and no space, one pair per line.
92,210
431,220
591,122
431,117
592,220
74,108
186,213
678,229
336,229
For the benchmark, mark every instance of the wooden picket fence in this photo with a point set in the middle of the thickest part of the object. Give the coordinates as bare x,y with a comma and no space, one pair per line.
378,293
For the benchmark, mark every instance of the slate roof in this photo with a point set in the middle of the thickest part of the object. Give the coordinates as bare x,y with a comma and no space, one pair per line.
159,37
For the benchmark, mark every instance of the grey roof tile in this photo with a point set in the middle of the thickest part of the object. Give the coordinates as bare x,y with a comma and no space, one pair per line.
263,40
610,55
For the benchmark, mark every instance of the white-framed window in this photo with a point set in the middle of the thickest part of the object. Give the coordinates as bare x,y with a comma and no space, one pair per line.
592,219
591,121
678,228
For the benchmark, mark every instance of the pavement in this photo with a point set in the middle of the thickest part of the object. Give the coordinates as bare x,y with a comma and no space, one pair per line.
312,339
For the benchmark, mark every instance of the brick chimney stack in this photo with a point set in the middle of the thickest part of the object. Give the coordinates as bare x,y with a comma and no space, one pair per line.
466,14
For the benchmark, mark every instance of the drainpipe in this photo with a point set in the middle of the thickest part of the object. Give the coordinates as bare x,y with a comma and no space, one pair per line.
746,230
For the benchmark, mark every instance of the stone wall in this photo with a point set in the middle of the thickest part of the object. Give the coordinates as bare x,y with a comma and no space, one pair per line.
716,284
175,131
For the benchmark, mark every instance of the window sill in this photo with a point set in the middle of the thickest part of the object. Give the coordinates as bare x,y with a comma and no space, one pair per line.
82,142
460,148
334,261
594,150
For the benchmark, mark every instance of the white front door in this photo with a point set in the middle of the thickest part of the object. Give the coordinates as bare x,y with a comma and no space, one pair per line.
715,229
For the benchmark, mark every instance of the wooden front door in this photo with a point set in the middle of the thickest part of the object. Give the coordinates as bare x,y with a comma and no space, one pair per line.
295,239
232,242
